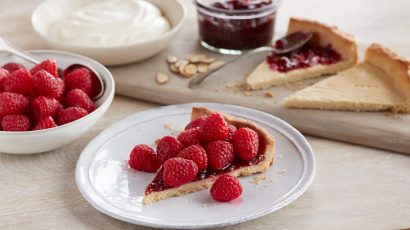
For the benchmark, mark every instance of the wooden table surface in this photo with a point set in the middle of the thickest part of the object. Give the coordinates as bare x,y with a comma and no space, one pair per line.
355,187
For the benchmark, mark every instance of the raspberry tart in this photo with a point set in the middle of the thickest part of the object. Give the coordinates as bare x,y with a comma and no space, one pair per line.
226,146
329,52
380,82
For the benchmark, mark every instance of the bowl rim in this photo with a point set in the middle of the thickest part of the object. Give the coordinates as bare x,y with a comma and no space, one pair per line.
172,31
110,80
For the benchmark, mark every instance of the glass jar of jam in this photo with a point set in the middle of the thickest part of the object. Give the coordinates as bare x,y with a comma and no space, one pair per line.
235,26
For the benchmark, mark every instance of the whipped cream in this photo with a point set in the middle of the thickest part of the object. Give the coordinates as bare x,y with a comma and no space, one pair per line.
111,23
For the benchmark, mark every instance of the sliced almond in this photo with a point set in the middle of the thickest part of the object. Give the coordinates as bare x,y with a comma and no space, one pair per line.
196,58
202,67
207,60
172,59
181,68
269,94
174,68
162,78
181,62
189,70
216,64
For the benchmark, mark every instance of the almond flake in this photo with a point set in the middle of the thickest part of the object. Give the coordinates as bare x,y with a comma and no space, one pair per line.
189,70
174,68
207,60
202,67
172,59
162,78
181,62
196,58
216,64
269,94
181,68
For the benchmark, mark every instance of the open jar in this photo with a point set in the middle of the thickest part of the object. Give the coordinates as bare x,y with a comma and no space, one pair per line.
235,26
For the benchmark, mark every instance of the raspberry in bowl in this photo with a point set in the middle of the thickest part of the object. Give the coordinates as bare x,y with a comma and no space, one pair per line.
235,26
44,110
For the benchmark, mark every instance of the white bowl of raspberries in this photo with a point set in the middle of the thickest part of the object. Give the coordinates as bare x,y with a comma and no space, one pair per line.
40,110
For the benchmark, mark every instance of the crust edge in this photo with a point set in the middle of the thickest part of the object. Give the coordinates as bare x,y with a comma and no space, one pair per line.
342,42
396,66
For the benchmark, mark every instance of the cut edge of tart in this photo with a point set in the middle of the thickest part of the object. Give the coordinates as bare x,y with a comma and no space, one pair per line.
267,143
344,44
380,82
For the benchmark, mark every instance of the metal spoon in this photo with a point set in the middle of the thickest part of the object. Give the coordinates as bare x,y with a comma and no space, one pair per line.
6,46
290,42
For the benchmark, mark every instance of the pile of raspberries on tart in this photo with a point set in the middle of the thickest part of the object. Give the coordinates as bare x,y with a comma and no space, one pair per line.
213,150
38,98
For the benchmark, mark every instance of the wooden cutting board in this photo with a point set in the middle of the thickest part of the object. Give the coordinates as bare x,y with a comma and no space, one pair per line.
377,129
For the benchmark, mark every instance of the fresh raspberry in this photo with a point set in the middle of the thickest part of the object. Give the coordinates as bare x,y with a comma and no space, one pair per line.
80,79
70,114
3,75
178,171
144,158
226,188
220,154
47,85
44,107
214,128
12,104
246,143
231,130
20,81
77,98
48,65
189,137
45,123
196,123
197,154
11,67
168,147
15,123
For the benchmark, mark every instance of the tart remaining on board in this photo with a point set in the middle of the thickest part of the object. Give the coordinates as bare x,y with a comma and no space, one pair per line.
156,190
329,52
380,82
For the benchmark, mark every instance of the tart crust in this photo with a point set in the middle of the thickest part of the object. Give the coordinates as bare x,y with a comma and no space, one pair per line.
243,171
380,82
263,76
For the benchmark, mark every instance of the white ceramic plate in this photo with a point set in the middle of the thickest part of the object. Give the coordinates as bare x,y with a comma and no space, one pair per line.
104,179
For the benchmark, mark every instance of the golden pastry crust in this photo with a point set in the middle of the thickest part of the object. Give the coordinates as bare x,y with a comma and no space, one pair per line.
324,35
397,67
263,77
262,166
381,82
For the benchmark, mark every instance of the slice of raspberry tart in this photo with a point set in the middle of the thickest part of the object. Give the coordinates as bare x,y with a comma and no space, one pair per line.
212,144
328,52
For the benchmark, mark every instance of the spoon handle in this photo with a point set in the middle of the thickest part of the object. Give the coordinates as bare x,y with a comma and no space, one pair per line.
196,81
6,46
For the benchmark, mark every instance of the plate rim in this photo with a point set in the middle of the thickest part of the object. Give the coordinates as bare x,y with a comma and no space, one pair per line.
294,136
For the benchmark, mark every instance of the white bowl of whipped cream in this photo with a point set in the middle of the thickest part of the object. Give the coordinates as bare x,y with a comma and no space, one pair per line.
114,32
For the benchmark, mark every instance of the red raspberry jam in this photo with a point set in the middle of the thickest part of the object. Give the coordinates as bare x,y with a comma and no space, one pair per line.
157,184
304,57
236,25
